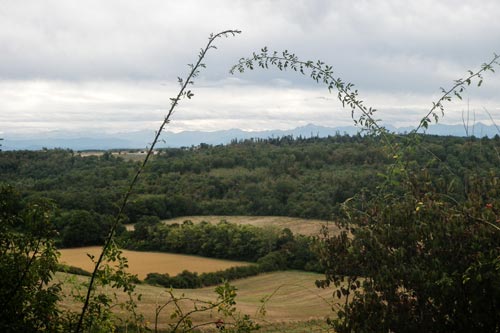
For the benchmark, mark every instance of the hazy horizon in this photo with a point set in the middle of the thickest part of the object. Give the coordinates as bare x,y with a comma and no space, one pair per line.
141,139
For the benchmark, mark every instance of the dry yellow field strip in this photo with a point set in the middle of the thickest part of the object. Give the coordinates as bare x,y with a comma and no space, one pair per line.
295,298
142,263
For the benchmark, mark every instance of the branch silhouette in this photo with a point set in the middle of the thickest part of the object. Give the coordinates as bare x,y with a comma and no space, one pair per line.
183,93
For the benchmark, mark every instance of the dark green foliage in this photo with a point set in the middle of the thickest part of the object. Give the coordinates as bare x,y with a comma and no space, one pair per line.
224,240
271,249
273,261
252,177
81,228
232,273
427,259
141,228
190,280
72,270
183,280
28,260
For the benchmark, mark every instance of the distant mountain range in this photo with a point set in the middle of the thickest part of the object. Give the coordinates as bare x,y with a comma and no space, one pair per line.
140,139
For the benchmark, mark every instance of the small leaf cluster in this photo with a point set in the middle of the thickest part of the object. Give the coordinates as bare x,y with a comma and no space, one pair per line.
111,279
28,261
222,311
458,88
174,101
194,69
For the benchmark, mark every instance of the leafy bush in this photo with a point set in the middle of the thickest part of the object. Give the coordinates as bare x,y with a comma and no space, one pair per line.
429,263
28,260
273,261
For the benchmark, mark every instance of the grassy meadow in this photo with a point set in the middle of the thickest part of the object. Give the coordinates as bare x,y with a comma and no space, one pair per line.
142,263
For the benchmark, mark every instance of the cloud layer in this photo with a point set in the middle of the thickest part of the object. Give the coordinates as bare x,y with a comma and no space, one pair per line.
113,65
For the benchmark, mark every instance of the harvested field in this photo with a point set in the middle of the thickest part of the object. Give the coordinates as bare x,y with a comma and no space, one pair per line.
295,298
142,263
308,227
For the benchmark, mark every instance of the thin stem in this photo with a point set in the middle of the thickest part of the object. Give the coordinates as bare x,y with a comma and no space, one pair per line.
322,73
492,120
166,120
459,83
189,313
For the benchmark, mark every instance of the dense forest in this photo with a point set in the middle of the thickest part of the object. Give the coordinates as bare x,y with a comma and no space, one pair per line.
297,177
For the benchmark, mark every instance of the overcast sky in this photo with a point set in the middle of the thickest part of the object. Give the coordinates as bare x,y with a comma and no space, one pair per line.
111,66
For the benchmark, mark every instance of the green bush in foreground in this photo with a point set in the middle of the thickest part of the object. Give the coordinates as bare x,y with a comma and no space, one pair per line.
429,263
28,260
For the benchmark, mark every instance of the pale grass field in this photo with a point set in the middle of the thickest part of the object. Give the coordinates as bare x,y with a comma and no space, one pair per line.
142,263
295,299
126,155
308,227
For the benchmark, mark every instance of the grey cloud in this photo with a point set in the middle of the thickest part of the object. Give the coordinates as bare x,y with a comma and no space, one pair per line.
155,39
116,62
131,105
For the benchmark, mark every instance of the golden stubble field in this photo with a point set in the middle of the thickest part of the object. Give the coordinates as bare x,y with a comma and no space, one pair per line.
294,299
142,263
